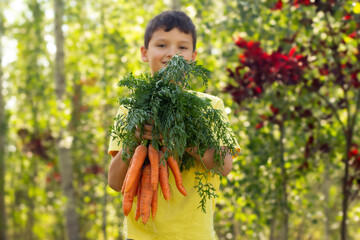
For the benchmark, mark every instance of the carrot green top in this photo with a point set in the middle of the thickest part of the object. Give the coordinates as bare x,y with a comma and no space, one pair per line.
180,218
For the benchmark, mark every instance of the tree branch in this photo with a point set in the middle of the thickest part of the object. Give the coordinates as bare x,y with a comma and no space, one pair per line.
352,124
334,110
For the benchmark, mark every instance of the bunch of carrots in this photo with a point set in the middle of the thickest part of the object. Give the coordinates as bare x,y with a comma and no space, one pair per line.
142,180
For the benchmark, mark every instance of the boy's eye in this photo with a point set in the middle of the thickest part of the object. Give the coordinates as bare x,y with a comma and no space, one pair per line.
161,45
184,48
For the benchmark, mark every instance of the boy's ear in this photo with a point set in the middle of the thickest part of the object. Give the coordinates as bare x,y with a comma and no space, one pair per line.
144,56
194,54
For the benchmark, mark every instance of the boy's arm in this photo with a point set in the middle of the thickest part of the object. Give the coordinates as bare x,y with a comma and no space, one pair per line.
208,160
118,168
117,172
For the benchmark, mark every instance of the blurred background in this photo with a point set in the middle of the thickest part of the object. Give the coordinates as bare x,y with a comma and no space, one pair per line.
287,70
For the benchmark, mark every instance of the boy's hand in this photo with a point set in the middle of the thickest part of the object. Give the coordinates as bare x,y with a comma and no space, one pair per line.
147,133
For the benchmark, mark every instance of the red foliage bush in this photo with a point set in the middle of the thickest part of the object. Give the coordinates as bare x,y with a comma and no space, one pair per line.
262,69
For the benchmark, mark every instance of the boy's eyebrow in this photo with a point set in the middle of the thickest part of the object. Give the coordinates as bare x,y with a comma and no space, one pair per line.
185,41
165,40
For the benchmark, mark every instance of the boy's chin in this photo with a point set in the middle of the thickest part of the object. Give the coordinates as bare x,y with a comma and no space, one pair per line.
162,66
158,68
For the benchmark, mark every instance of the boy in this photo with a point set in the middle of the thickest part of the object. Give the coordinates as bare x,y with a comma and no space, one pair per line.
167,34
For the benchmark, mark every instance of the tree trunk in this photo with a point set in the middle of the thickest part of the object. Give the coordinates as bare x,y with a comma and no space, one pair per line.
68,189
30,221
64,142
2,142
59,57
175,4
236,228
346,190
285,224
326,186
346,185
273,235
301,230
106,121
105,179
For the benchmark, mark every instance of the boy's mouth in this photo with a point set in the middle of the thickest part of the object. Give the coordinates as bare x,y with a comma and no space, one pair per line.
164,60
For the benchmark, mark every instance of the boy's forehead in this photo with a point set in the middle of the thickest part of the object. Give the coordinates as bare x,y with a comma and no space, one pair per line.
162,33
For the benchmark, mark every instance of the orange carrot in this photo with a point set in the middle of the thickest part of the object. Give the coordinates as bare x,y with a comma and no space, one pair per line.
137,213
154,203
177,175
138,160
125,180
164,179
154,162
129,196
146,194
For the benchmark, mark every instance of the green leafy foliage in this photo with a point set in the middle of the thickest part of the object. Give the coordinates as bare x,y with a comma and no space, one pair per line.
180,118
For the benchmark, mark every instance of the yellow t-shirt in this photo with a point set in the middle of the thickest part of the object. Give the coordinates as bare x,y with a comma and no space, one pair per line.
180,219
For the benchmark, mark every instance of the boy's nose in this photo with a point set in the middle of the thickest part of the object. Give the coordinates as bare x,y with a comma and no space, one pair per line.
172,52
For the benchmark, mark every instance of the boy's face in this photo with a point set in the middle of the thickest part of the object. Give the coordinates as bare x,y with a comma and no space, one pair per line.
164,45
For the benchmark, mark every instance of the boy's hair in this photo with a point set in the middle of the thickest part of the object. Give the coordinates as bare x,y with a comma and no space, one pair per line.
169,20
